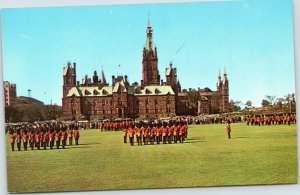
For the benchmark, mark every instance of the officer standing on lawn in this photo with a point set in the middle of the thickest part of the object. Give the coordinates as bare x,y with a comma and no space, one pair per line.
228,129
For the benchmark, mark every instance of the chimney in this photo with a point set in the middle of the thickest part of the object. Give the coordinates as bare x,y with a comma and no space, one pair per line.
113,79
74,67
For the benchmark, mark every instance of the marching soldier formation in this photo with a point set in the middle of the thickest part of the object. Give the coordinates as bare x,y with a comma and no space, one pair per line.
145,134
42,136
274,119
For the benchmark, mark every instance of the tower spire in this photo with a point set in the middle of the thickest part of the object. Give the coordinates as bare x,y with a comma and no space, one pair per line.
224,70
149,42
219,74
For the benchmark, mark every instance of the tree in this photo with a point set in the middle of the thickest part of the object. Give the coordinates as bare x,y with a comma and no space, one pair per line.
193,98
248,104
270,99
265,103
235,105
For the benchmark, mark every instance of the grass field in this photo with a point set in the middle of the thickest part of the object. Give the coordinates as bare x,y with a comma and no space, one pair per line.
254,155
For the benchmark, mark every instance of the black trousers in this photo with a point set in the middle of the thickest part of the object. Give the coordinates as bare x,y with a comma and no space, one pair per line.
175,138
19,146
51,144
37,144
63,143
228,133
164,139
44,145
25,144
76,141
125,139
31,145
57,144
131,141
158,139
70,141
12,146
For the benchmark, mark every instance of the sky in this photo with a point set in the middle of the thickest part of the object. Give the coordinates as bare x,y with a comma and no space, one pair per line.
252,38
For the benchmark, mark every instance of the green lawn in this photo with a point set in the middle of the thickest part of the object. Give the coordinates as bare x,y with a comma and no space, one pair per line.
254,155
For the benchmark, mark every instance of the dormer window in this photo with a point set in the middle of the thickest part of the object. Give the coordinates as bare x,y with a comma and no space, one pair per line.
95,92
86,92
157,91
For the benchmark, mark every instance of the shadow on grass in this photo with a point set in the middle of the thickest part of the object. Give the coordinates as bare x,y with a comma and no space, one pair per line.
75,147
239,137
191,142
89,144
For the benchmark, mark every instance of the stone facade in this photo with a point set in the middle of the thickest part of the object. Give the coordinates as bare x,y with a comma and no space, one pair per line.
151,98
10,93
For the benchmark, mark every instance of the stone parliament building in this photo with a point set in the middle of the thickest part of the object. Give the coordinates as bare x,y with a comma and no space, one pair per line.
153,97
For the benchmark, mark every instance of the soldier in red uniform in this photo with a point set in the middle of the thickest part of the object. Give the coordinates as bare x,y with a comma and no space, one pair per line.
288,119
31,138
164,133
157,132
12,139
45,138
131,135
228,129
152,134
125,135
146,135
37,138
76,135
170,132
51,138
138,134
25,139
176,132
143,133
63,137
181,133
57,138
70,135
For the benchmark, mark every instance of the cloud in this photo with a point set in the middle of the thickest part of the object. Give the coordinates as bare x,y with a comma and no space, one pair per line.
24,36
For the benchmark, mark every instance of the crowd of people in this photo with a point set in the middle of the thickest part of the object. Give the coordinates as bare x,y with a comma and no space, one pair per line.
273,119
42,136
150,133
115,125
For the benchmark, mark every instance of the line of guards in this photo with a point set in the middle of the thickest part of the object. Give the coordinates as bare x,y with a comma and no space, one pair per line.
271,119
42,136
151,133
